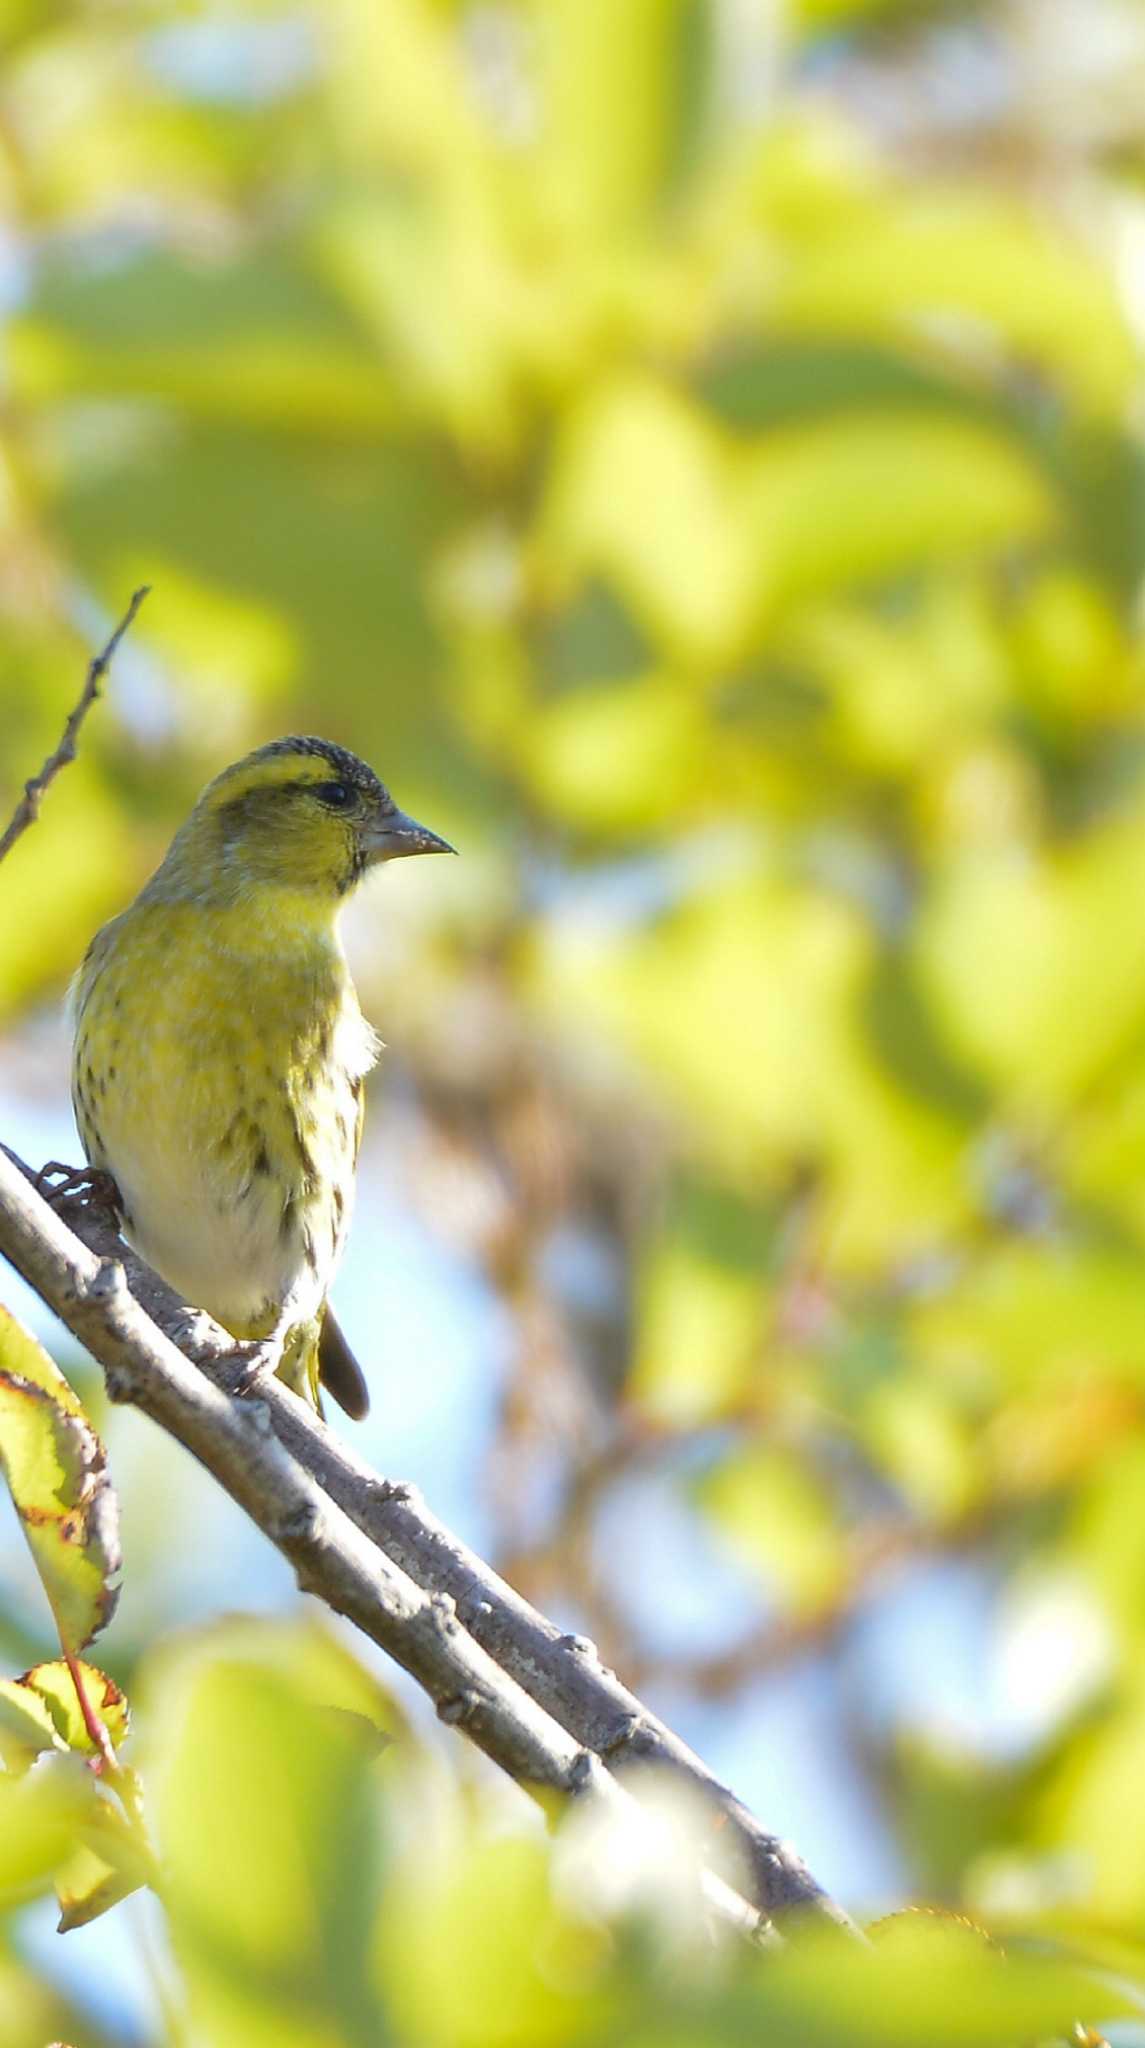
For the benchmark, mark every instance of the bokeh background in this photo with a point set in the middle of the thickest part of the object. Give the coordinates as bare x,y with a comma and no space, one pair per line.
692,449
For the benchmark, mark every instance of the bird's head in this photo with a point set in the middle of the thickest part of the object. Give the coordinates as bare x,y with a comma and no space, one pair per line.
299,814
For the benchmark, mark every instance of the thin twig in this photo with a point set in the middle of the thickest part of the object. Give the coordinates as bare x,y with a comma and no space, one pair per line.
28,808
561,1674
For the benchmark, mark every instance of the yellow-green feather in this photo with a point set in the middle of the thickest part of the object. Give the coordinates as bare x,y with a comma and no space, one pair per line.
220,1053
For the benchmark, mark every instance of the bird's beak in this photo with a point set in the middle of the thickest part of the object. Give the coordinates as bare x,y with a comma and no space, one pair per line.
393,836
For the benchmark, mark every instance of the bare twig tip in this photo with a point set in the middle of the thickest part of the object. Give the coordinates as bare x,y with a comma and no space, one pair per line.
28,808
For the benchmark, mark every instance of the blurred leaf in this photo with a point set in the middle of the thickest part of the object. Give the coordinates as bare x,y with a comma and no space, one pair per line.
699,1332
593,640
271,1845
702,1298
964,264
773,380
771,977
926,1448
617,759
1104,472
1072,654
623,90
870,495
1093,1809
909,1044
522,1971
55,1466
258,342
52,900
931,1980
40,1813
27,1727
87,1888
303,1654
1012,952
706,543
954,1809
1102,1155
776,1516
1018,1317
910,683
1104,1538
836,14
109,1860
350,571
642,494
226,657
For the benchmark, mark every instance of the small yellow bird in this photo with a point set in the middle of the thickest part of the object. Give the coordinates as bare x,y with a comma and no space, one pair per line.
220,1051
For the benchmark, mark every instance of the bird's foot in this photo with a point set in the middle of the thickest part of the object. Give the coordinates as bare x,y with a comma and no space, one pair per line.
244,1369
91,1185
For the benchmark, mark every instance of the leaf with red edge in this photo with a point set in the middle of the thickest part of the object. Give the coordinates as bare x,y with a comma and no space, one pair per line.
54,1686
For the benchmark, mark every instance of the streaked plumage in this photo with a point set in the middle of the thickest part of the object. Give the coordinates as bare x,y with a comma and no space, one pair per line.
220,1052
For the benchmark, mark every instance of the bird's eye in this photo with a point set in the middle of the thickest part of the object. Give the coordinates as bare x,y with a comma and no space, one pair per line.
337,796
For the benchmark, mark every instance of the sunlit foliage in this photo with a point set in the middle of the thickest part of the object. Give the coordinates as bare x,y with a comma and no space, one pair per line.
693,449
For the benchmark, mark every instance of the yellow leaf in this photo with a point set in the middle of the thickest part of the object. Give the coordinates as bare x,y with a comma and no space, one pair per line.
53,1685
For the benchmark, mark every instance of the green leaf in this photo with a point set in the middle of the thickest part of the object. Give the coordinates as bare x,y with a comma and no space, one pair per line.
52,897
623,94
615,759
707,542
109,1859
523,1973
925,1447
772,977
41,1812
55,1467
1093,1808
930,1980
1023,1317
1010,952
642,495
271,1845
27,1726
914,265
876,493
257,341
227,521
699,1332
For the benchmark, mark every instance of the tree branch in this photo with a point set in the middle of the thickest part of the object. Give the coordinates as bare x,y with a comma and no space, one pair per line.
536,1701
28,808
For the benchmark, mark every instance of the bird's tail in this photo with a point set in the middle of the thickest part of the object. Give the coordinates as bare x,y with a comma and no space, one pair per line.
338,1370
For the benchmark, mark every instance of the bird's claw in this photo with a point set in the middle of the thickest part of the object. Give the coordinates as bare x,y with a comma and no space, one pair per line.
91,1185
247,1365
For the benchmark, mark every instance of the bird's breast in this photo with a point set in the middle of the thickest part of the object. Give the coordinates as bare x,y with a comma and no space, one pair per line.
221,1088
